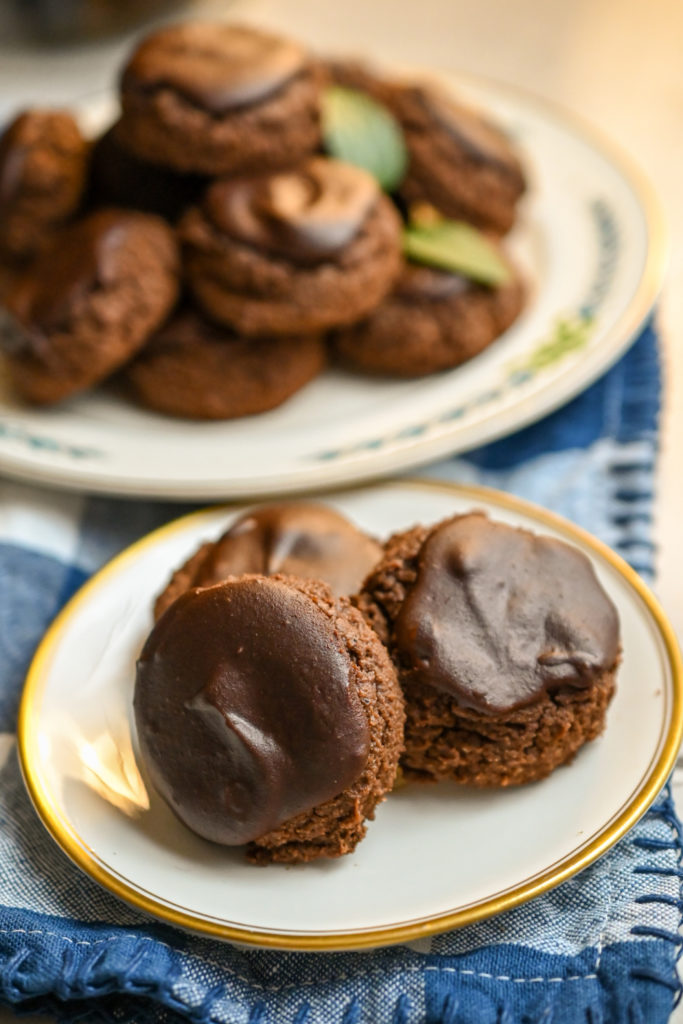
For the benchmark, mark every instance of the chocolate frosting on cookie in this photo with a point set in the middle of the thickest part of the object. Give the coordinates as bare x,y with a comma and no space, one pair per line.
246,710
427,283
307,215
307,540
483,142
217,67
498,615
86,254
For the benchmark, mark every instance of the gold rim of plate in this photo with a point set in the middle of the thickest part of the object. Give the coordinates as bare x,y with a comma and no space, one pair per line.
651,784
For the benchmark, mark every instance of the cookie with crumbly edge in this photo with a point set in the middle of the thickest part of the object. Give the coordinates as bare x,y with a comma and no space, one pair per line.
269,714
506,646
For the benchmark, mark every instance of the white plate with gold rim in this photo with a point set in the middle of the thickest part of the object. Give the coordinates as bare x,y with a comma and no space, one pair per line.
432,858
591,243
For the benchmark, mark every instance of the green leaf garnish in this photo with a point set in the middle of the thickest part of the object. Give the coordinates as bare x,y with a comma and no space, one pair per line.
361,131
458,247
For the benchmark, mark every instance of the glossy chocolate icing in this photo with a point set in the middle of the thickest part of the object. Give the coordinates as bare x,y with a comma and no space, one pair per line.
87,255
298,539
307,215
217,67
429,284
246,710
482,141
499,615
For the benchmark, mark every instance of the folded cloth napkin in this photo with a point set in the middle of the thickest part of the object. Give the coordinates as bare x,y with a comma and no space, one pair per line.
600,949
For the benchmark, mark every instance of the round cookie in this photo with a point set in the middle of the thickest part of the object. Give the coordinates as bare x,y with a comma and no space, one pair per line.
459,162
118,178
219,99
292,252
88,303
506,647
43,166
302,539
287,712
431,321
199,370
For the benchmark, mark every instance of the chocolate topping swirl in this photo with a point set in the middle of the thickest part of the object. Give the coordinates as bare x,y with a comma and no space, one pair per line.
246,710
497,615
306,215
217,67
306,540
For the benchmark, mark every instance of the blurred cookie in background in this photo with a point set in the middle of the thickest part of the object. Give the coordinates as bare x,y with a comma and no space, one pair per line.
294,251
43,169
89,303
213,98
200,370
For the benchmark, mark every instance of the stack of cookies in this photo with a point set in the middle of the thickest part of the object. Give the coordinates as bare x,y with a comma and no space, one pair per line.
230,232
296,662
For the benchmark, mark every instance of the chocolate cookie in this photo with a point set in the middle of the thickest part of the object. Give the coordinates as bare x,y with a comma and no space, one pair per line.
431,321
506,646
292,252
219,99
197,369
118,178
89,302
269,714
43,166
459,161
300,539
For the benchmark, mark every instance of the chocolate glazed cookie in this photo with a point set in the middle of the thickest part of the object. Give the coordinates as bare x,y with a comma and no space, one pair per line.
431,321
203,371
88,303
219,99
506,647
43,165
300,539
459,162
292,252
285,708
